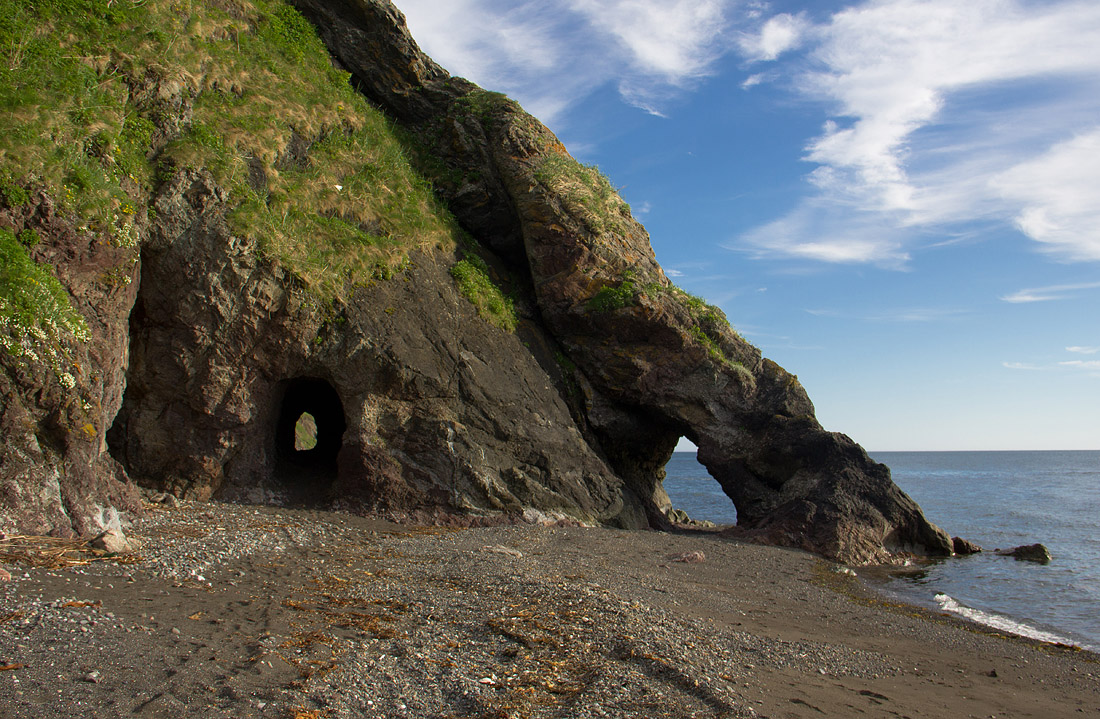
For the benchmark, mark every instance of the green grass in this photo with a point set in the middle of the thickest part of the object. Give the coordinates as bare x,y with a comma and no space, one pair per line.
86,86
493,306
487,106
586,191
709,321
36,317
609,298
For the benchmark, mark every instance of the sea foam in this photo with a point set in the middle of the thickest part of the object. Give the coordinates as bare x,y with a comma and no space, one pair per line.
1000,622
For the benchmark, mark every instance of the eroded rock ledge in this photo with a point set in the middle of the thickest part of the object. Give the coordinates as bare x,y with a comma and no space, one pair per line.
422,409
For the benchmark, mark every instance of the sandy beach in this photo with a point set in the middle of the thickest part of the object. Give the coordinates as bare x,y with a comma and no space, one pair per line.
244,611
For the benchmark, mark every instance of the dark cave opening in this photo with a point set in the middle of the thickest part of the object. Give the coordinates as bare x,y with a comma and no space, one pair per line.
309,431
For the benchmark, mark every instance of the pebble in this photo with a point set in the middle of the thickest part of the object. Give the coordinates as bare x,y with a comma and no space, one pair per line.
463,619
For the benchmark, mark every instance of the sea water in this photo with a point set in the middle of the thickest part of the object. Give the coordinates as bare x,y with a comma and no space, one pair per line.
998,500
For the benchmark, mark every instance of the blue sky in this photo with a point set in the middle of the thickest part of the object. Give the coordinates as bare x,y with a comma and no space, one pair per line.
898,201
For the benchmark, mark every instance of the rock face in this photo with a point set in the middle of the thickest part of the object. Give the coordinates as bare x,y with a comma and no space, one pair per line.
57,403
421,408
652,363
419,405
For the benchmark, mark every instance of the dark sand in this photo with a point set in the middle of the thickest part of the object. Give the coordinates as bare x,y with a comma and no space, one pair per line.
261,612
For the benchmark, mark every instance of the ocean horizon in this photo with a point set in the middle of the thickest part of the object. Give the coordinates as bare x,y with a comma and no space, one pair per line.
997,498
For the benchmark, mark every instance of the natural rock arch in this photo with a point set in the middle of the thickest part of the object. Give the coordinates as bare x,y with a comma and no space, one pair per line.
307,473
651,362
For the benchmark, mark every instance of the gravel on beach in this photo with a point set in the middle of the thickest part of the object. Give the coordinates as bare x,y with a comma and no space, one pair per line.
247,611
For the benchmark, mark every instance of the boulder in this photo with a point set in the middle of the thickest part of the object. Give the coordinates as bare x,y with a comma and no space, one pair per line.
1037,553
113,541
963,547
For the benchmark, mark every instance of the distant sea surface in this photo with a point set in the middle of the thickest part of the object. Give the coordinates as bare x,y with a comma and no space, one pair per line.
998,500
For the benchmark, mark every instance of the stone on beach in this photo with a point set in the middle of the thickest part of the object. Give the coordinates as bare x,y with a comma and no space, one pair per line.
690,557
113,542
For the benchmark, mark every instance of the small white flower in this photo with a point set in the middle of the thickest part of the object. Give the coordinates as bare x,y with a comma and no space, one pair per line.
67,380
338,187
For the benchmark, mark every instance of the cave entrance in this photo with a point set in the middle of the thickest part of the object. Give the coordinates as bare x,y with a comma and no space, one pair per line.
693,491
309,431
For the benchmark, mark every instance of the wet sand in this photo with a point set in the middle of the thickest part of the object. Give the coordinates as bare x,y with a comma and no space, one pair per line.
234,611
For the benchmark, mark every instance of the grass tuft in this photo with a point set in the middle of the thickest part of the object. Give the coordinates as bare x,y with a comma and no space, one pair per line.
609,298
493,306
586,191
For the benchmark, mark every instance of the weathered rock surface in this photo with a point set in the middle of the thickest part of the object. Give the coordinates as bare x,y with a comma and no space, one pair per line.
963,547
419,405
1037,553
421,408
656,368
55,474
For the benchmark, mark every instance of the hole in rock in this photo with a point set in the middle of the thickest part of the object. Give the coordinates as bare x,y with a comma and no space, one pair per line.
693,491
309,432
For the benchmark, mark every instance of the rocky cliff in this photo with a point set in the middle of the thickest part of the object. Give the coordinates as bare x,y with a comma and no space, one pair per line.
472,320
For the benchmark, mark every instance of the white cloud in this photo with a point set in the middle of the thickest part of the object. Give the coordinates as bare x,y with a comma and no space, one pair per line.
1083,350
946,112
1059,196
1046,294
1021,365
754,80
670,39
548,55
827,232
776,36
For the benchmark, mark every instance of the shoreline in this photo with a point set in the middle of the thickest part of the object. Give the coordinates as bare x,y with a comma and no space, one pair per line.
248,611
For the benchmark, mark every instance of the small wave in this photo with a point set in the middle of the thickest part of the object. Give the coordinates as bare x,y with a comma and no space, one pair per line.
1000,622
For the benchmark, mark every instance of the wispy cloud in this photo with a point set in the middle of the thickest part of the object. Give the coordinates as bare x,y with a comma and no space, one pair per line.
903,314
1047,294
1022,365
1082,364
943,113
827,232
550,54
1089,367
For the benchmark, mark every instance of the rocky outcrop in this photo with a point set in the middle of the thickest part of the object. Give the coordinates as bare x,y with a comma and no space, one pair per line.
58,394
204,366
652,363
963,547
1037,553
420,406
